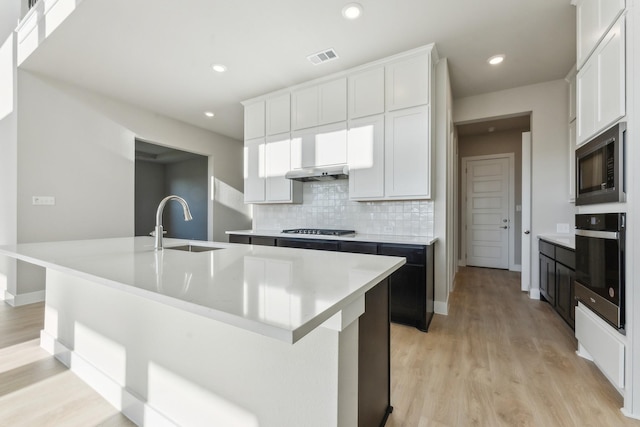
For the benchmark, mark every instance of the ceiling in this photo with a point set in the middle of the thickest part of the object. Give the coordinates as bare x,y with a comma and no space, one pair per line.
157,54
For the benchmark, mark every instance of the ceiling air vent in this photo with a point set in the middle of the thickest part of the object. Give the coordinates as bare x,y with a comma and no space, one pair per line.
324,56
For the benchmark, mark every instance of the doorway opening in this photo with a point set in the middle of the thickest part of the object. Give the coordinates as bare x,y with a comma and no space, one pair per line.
161,171
490,192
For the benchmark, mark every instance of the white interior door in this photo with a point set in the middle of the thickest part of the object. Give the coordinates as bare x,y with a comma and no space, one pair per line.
525,276
488,213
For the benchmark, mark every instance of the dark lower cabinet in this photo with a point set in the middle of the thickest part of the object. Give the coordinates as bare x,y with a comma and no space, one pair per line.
548,278
322,245
565,300
557,275
411,287
239,238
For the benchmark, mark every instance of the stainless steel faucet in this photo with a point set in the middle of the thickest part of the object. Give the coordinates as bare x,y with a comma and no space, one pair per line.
159,231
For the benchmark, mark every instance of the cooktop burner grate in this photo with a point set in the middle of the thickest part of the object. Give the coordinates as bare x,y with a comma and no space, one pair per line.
320,231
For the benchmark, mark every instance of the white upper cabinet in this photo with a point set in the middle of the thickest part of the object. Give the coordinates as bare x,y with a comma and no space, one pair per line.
254,120
304,108
572,162
333,101
254,170
277,163
365,139
278,116
319,146
407,148
571,80
594,18
601,85
407,82
319,104
366,93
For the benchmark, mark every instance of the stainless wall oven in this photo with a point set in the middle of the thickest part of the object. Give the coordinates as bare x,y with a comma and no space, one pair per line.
600,254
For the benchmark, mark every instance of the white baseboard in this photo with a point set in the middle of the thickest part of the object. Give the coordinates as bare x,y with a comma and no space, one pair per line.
441,307
132,406
516,267
23,299
534,293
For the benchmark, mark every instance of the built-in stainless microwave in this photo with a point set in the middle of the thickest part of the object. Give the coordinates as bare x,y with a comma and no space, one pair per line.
600,168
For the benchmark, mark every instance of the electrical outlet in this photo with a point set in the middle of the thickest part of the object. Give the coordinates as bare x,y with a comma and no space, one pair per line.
43,200
562,228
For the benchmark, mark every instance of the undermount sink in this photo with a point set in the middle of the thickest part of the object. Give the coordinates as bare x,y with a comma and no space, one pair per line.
192,248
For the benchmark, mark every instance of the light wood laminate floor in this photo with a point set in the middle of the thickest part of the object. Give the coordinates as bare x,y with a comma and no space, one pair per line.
498,359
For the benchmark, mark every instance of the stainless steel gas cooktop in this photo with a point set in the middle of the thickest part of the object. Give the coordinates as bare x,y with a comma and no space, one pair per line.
320,231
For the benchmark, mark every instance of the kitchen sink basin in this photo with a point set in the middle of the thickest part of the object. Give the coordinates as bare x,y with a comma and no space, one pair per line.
192,248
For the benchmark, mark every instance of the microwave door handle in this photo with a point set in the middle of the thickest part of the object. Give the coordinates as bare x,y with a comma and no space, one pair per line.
610,235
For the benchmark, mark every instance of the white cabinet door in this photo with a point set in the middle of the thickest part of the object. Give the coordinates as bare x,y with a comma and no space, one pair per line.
319,146
278,114
594,18
254,120
277,164
254,170
408,154
320,104
304,108
587,99
407,82
601,85
571,79
365,140
611,78
572,161
366,93
332,98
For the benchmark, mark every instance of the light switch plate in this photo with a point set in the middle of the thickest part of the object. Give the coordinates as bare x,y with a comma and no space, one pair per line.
562,228
43,200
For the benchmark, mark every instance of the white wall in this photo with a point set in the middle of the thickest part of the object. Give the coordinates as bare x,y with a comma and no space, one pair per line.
548,105
79,147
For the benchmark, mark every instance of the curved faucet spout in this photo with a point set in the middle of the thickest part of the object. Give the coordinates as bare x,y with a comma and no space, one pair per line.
159,231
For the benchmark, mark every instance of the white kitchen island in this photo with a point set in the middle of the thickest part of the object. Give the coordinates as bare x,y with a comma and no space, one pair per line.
237,336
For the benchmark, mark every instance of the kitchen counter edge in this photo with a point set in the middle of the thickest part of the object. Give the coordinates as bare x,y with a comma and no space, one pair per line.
373,238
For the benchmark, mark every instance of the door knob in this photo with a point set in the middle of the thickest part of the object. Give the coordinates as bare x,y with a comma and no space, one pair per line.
527,232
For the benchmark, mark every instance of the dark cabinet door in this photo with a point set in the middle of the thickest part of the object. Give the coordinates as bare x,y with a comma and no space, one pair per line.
408,286
565,305
263,241
548,279
238,238
359,247
323,245
406,296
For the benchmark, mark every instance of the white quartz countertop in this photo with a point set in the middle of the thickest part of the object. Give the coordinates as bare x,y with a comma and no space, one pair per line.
283,293
566,240
375,238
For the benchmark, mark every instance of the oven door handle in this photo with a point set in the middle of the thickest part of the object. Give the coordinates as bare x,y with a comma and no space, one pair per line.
610,235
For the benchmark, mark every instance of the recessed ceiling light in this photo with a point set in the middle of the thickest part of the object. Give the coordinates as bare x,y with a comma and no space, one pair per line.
209,114
219,68
496,59
352,11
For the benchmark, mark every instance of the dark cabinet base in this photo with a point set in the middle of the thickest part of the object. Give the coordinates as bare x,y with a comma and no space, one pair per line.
556,279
